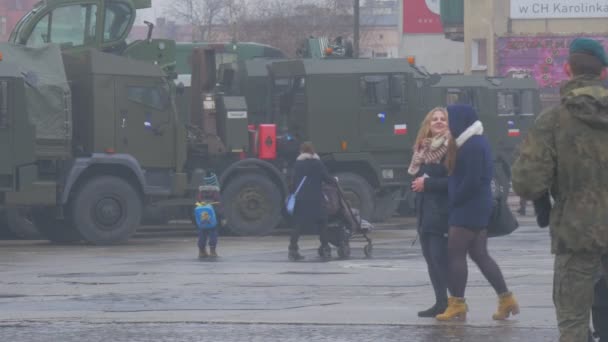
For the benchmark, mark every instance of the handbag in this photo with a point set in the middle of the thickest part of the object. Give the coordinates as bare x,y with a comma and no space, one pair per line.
502,220
291,199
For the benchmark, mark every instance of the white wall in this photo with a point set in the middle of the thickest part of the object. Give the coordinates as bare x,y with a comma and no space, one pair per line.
433,51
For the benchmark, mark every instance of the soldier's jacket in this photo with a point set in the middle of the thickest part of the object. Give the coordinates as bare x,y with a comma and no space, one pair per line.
566,152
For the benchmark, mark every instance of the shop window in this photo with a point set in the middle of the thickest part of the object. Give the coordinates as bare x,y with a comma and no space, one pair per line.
479,54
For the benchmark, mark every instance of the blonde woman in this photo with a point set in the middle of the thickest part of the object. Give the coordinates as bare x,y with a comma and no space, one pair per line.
431,187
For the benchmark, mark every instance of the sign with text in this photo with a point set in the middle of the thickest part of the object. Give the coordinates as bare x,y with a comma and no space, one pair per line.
421,16
558,9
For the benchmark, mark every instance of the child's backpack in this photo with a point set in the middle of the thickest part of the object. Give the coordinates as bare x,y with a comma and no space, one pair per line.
205,217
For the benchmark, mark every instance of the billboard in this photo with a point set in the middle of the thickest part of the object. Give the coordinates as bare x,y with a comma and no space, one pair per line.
541,57
421,16
558,9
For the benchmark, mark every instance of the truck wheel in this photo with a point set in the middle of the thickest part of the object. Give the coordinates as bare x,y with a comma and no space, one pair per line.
386,206
21,223
252,205
106,210
358,193
54,229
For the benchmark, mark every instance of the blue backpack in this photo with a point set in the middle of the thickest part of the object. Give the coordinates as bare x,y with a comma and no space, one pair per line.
205,217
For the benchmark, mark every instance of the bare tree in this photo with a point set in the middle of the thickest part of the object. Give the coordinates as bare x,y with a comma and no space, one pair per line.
202,15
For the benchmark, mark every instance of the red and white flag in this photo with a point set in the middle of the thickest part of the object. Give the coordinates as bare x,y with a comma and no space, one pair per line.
513,132
400,129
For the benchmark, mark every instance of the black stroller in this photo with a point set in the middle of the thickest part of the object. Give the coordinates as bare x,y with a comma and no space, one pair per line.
344,223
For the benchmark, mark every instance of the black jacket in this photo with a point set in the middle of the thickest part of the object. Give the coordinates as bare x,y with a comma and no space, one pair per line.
309,201
432,204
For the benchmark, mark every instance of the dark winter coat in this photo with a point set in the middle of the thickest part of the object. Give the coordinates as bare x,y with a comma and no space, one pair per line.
469,185
432,204
309,201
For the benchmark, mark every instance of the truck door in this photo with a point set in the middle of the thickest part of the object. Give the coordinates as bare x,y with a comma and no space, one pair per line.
144,122
383,122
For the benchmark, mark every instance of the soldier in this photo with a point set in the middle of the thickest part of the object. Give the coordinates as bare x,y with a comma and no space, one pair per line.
566,153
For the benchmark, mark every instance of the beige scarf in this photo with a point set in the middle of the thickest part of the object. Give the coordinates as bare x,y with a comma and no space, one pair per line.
432,150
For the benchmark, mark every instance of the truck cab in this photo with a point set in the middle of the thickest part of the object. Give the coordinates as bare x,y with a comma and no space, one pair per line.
362,115
506,106
104,25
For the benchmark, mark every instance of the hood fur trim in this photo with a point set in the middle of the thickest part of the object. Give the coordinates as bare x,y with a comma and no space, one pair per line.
475,129
306,156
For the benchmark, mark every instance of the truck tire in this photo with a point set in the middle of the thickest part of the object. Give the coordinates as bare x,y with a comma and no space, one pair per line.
252,204
358,193
106,210
21,223
53,229
386,206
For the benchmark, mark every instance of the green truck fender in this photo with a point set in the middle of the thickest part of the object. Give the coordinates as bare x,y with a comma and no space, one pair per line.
122,165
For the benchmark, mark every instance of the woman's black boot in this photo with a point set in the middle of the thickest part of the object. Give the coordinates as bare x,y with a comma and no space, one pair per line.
433,311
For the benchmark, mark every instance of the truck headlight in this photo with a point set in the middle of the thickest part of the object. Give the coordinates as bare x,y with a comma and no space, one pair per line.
388,174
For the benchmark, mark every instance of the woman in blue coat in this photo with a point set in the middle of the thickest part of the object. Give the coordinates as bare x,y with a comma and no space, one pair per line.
470,166
431,187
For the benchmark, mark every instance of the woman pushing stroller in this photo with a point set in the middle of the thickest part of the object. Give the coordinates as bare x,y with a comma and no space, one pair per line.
309,175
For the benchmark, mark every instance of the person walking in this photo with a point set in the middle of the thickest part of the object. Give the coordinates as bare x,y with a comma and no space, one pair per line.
565,153
470,166
309,175
431,187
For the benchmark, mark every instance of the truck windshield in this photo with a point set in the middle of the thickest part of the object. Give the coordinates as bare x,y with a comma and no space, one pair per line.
527,102
509,103
288,101
3,104
72,25
118,17
459,96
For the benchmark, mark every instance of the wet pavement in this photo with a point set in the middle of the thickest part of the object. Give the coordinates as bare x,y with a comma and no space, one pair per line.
156,289
268,333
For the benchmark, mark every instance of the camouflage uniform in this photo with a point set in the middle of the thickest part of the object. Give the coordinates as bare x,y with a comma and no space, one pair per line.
566,152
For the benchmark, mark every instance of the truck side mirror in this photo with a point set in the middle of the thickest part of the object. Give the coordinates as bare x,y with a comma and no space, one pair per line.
180,89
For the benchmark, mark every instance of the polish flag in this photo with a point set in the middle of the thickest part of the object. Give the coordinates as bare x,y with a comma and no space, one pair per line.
513,132
400,129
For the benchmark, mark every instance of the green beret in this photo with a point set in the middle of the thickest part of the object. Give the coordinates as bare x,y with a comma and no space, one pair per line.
589,47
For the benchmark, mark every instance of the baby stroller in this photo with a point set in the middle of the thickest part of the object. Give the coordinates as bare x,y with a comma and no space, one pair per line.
344,223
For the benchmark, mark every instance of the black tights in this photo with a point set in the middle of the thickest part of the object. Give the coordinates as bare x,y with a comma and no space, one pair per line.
461,242
298,228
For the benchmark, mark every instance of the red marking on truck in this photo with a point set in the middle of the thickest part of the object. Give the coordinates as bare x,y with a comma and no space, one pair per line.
514,132
400,129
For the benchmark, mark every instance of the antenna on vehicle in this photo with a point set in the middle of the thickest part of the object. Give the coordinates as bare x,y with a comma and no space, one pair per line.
150,29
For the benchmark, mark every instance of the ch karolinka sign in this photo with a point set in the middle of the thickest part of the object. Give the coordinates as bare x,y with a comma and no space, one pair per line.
558,9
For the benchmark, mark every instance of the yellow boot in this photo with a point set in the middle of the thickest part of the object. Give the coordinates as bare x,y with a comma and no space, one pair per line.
507,305
456,311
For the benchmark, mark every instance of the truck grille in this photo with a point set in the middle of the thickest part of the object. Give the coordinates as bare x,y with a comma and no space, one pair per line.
3,104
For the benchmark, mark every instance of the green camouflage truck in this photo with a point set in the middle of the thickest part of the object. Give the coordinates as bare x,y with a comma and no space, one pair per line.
93,133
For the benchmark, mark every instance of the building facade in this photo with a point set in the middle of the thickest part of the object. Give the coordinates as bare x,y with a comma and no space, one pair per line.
422,36
529,38
10,13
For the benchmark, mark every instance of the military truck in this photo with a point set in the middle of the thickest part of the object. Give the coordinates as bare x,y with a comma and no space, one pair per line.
507,107
144,152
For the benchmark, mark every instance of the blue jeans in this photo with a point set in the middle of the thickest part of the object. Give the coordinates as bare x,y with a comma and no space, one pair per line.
205,235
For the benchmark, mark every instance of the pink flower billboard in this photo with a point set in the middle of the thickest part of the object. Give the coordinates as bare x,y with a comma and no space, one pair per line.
541,57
